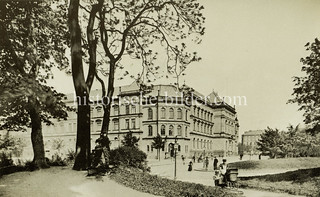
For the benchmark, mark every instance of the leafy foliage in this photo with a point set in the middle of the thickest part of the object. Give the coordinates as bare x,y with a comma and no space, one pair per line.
130,140
33,41
128,156
270,142
293,143
158,142
307,88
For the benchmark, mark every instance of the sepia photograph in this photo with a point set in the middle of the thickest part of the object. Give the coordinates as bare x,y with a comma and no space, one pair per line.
138,98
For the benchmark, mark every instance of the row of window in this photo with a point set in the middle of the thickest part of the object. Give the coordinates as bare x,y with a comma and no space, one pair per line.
202,127
163,113
202,144
150,148
201,113
170,131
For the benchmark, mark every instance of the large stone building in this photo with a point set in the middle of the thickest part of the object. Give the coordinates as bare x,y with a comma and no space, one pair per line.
200,125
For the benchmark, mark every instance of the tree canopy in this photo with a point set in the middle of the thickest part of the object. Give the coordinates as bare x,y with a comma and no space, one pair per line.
307,88
33,41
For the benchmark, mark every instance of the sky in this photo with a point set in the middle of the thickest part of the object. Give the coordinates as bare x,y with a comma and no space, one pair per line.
251,48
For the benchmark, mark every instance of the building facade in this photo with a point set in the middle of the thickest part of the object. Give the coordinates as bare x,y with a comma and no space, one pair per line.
197,124
250,139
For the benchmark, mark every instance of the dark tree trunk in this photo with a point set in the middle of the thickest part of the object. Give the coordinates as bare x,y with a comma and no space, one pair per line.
107,101
39,159
83,143
82,91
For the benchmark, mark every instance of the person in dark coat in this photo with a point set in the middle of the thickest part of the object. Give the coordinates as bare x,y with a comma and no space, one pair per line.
190,166
215,163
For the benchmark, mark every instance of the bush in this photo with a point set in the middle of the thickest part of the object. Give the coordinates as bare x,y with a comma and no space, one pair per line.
5,159
143,181
57,160
129,157
71,155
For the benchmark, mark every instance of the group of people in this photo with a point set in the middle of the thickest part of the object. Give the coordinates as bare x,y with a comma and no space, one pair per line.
222,168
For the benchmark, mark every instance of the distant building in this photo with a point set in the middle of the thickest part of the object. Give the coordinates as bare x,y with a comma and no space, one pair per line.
250,139
201,128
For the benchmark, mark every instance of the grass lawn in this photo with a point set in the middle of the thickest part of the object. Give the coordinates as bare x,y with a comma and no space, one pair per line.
302,176
285,163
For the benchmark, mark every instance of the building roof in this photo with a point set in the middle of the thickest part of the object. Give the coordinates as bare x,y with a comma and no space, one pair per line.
253,132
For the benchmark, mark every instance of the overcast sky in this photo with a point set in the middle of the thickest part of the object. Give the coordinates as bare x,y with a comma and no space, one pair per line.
251,48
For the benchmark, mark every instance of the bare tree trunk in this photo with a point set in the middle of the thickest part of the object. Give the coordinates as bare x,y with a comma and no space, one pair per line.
83,143
39,159
108,101
82,160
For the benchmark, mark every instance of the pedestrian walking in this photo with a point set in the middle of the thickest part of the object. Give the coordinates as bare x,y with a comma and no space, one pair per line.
182,157
215,163
206,163
194,158
190,166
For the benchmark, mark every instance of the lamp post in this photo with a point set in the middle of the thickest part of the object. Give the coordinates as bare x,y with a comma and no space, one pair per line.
175,157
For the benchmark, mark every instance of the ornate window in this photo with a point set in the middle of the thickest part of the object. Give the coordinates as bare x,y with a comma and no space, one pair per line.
127,124
127,109
133,123
163,130
179,112
116,124
150,132
163,113
116,110
179,130
170,130
150,114
133,109
171,113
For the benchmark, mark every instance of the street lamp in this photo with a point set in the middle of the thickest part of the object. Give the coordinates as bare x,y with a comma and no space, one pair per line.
175,157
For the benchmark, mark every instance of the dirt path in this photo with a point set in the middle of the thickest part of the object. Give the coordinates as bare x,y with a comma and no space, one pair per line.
58,181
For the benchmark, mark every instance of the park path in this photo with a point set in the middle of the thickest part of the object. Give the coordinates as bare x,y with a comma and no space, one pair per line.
58,181
165,168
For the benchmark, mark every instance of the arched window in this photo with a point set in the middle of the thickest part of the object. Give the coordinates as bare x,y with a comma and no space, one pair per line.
148,148
150,133
171,113
163,113
171,130
163,130
179,130
116,124
197,143
150,114
179,148
179,112
133,109
194,143
116,110
98,122
99,110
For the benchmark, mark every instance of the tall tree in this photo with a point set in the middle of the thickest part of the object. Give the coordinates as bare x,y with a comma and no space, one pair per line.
32,41
82,85
138,28
307,88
